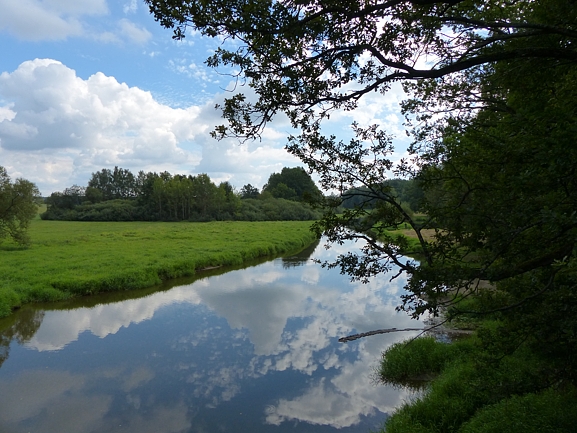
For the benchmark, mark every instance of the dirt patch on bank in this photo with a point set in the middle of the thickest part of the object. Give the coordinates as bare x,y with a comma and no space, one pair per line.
428,234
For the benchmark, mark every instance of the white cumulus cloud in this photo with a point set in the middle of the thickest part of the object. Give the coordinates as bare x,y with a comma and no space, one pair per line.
54,108
57,128
50,113
47,19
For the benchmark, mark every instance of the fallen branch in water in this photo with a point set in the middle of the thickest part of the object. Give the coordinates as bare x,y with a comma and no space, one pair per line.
380,331
437,326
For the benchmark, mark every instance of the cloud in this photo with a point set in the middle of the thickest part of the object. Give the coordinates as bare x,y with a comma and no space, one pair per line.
6,113
134,33
56,109
58,330
275,323
130,8
56,128
57,117
319,405
47,19
75,406
71,410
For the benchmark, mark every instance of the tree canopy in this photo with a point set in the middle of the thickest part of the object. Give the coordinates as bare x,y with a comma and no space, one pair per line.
491,107
292,184
18,205
308,57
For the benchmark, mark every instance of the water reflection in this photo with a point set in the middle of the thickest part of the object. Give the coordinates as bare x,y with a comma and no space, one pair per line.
249,350
19,327
300,258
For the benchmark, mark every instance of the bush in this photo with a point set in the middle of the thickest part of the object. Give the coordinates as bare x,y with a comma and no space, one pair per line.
472,381
272,209
551,411
420,359
111,210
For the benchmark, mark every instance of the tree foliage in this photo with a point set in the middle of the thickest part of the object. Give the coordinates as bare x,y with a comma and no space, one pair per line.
249,191
491,106
476,108
18,205
326,54
407,192
292,184
114,184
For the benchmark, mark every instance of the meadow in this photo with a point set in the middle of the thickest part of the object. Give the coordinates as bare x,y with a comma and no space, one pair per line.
68,258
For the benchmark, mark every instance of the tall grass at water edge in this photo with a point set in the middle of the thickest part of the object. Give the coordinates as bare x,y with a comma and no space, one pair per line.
468,393
68,259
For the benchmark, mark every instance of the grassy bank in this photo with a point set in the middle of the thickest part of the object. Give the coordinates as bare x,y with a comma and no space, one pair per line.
68,259
492,381
472,390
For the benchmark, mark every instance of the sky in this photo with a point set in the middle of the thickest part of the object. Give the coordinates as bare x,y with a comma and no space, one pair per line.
93,84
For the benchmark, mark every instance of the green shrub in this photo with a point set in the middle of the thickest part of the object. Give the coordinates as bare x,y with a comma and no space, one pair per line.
420,359
472,378
551,411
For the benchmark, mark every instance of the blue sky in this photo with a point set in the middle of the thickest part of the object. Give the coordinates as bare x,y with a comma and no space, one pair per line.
91,84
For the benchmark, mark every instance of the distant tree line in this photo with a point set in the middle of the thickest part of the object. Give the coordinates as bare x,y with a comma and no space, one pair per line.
408,193
119,195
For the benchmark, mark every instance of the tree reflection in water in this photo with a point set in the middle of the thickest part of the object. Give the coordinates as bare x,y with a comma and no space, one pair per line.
301,258
19,327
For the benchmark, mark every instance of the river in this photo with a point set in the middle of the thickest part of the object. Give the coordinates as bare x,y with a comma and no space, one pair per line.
247,350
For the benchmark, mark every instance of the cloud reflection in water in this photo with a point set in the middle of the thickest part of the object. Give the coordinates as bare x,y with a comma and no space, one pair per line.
248,325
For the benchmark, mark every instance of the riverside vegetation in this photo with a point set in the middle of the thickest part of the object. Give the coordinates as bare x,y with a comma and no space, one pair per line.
488,379
69,258
477,384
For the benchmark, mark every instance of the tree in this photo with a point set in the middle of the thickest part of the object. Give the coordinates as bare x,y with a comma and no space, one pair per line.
114,184
298,55
205,194
309,58
102,181
407,192
292,184
249,191
231,202
18,206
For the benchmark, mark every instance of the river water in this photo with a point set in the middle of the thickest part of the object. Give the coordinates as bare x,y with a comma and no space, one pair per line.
248,350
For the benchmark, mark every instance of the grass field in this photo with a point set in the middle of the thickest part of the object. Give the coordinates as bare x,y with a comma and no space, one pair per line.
68,259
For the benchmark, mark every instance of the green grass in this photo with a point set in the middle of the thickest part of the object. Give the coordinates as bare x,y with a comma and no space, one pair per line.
470,398
551,411
422,359
470,390
68,259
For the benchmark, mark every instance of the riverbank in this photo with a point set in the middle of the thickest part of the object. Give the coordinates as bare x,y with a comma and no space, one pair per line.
69,259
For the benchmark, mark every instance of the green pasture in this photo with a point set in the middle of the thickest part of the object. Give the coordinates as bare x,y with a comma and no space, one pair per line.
68,259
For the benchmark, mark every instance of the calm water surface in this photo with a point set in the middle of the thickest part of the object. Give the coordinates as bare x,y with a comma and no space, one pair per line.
250,350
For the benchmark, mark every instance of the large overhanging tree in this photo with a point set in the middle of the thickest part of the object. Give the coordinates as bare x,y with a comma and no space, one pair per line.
491,105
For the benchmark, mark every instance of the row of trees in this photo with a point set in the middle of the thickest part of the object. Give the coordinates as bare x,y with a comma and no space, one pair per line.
491,106
120,195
